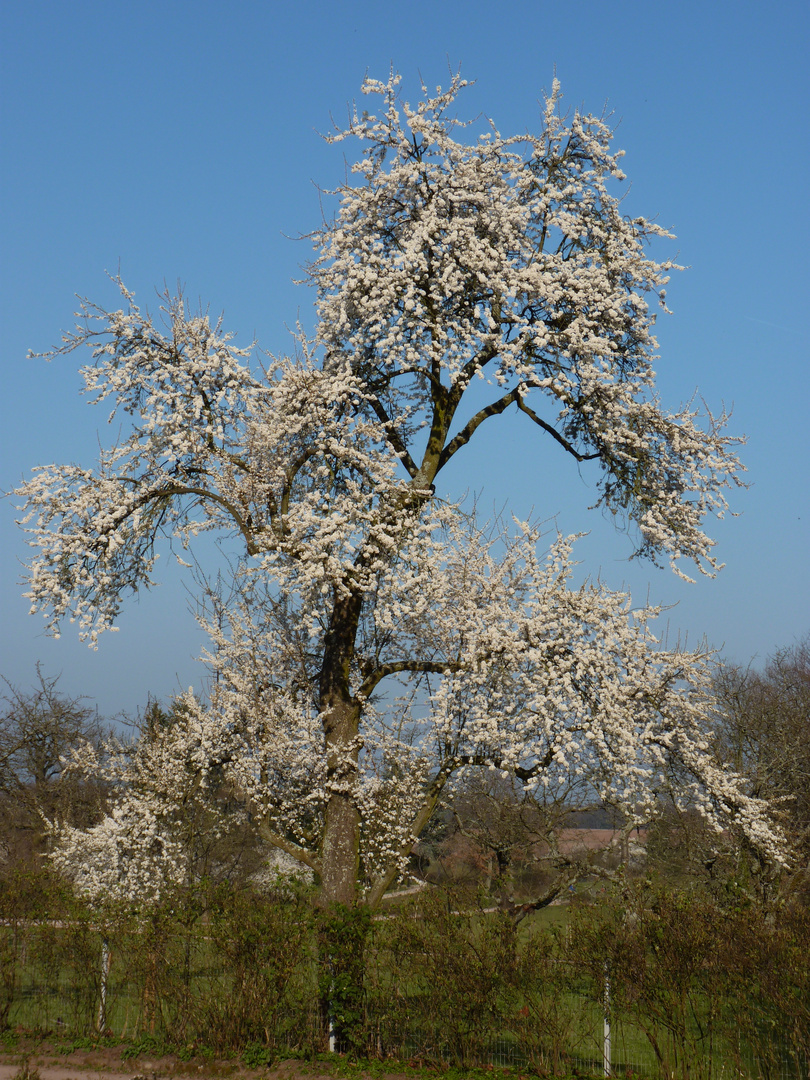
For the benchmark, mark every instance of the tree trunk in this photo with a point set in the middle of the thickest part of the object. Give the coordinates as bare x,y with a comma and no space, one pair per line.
340,957
340,852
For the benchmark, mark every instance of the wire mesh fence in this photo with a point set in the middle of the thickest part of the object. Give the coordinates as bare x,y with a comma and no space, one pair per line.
68,1003
631,1053
466,990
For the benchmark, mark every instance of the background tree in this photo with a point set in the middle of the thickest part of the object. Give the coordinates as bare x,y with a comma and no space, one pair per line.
760,727
763,730
525,848
383,640
38,730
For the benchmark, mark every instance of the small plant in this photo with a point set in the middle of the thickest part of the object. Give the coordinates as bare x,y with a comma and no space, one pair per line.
27,1071
146,1044
256,1056
84,1042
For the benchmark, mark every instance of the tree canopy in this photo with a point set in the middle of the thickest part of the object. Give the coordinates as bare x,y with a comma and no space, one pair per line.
379,639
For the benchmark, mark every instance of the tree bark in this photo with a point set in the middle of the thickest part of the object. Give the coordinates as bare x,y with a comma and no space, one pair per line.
340,850
340,853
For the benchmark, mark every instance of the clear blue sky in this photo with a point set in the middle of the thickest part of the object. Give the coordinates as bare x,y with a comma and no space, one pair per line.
179,141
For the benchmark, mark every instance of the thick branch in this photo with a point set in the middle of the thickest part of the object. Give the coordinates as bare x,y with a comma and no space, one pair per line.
517,770
520,911
477,364
423,816
203,493
424,666
564,443
469,429
391,433
495,409
293,850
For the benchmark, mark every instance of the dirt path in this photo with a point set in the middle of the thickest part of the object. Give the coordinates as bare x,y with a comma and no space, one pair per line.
44,1062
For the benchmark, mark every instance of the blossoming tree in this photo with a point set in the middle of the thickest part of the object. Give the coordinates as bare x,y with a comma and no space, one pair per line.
382,641
168,824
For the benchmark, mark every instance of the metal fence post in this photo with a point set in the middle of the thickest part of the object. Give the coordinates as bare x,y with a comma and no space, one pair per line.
606,1025
105,971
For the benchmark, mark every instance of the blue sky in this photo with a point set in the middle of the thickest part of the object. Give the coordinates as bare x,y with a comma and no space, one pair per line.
180,142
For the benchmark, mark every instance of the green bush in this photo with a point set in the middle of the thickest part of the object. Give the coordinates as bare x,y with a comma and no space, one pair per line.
260,986
445,972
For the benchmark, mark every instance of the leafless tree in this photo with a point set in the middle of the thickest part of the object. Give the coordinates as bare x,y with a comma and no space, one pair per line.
38,729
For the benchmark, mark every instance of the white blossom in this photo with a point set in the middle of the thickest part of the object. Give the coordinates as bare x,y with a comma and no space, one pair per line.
162,807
